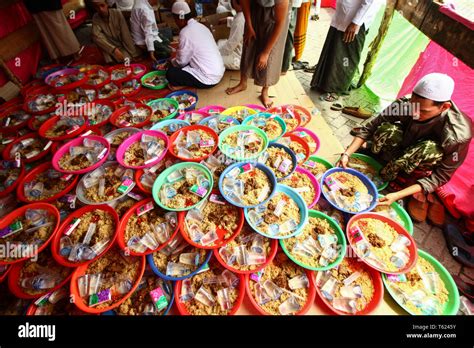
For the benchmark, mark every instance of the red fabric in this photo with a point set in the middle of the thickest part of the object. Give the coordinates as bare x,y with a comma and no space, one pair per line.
327,3
29,61
13,18
80,18
458,192
91,55
451,11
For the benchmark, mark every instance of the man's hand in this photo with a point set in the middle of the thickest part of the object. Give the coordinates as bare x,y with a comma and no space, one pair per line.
249,34
350,33
118,55
343,161
152,57
262,61
388,199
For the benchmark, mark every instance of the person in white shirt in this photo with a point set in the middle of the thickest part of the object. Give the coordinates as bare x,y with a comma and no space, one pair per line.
122,5
145,32
342,49
224,6
231,48
198,62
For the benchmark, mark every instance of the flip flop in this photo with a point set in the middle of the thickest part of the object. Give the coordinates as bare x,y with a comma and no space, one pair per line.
458,247
465,288
299,65
356,112
337,106
310,69
329,97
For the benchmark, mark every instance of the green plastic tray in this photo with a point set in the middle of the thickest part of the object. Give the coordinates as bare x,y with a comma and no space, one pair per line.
403,215
240,128
340,238
164,100
162,178
321,160
280,121
452,306
373,163
154,73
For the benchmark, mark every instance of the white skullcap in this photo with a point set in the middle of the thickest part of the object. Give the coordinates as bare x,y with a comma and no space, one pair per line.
221,9
435,86
181,8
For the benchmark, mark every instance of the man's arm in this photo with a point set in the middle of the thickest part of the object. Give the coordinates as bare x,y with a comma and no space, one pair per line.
389,198
99,38
452,160
361,134
281,13
184,53
235,38
440,176
126,36
249,33
361,13
359,18
393,113
147,24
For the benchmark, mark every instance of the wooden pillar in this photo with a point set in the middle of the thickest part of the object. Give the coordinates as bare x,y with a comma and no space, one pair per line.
9,74
376,44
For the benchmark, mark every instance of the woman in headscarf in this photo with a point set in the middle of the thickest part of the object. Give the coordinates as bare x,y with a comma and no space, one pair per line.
266,29
145,31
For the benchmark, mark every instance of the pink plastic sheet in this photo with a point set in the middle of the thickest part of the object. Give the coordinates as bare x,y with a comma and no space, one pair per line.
458,192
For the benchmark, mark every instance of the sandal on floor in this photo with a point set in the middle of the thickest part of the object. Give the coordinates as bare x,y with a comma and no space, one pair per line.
418,207
436,211
337,106
356,112
329,97
299,65
310,69
458,247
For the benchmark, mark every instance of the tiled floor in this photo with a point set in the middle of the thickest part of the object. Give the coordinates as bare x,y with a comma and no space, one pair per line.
429,238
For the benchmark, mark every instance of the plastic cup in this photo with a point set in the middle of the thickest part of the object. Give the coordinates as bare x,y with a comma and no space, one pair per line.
55,245
412,248
341,241
163,177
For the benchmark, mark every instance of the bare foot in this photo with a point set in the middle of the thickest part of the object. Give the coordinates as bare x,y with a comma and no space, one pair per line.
266,101
236,89
283,73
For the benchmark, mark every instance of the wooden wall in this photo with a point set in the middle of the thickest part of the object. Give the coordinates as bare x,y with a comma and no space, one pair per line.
447,32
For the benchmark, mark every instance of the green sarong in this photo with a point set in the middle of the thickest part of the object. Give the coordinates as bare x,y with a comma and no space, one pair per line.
338,62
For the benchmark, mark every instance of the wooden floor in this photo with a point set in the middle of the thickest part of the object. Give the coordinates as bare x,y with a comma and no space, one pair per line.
288,91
